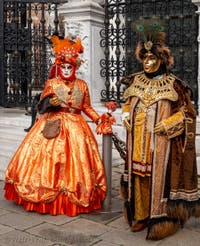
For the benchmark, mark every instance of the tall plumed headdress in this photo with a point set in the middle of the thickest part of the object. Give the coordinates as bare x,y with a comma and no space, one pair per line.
67,50
152,39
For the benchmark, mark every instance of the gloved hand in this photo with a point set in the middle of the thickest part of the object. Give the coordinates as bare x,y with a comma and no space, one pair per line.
55,101
159,129
104,124
127,123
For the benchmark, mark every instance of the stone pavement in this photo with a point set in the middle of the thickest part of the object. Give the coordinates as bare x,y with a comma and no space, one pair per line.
101,228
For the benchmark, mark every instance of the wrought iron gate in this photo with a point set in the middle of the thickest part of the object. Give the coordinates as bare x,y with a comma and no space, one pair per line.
119,40
25,58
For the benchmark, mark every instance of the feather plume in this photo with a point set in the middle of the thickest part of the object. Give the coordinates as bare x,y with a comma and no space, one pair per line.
151,31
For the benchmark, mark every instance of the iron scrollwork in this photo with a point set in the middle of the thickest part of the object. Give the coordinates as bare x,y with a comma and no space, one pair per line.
113,42
26,53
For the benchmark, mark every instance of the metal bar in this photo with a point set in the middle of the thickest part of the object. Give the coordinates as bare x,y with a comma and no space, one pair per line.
16,66
43,51
56,20
29,20
107,160
107,77
117,52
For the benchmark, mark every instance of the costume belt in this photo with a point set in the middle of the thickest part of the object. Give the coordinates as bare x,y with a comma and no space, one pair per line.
147,109
70,110
142,110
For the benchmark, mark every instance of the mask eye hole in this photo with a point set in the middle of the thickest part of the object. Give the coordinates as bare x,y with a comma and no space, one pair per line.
68,67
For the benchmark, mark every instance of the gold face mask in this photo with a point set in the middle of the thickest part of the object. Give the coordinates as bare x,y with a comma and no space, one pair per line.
151,63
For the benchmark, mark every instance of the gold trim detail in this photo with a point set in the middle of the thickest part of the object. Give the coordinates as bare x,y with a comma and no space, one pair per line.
152,90
174,125
77,95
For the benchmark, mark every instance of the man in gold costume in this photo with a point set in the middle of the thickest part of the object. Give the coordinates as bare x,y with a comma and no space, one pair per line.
63,174
160,178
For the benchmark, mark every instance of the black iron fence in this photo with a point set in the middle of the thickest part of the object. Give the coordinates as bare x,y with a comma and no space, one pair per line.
25,58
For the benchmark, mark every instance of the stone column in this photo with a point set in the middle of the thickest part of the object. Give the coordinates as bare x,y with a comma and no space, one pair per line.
85,19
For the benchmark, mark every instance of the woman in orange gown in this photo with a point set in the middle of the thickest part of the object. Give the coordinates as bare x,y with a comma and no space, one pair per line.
64,174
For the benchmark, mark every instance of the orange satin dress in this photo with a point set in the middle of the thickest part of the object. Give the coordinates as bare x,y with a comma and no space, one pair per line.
63,175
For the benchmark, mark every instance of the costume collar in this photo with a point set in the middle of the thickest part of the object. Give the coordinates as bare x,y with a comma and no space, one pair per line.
152,90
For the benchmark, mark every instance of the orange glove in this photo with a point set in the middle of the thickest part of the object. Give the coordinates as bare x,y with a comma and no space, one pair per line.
105,125
55,101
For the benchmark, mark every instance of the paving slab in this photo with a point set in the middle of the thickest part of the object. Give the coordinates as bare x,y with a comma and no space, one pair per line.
87,227
103,243
2,211
184,237
66,234
58,219
5,229
1,185
20,221
126,238
2,190
106,215
10,206
119,224
60,244
19,238
2,195
101,217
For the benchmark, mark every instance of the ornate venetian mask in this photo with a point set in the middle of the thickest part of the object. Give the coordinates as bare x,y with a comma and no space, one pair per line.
67,71
151,63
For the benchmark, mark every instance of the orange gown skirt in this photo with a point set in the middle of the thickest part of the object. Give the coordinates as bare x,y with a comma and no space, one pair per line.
63,175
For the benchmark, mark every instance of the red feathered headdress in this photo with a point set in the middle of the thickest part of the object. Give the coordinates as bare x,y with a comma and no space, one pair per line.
67,50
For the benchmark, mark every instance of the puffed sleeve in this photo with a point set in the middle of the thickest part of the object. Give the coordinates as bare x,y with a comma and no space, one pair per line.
48,90
87,107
